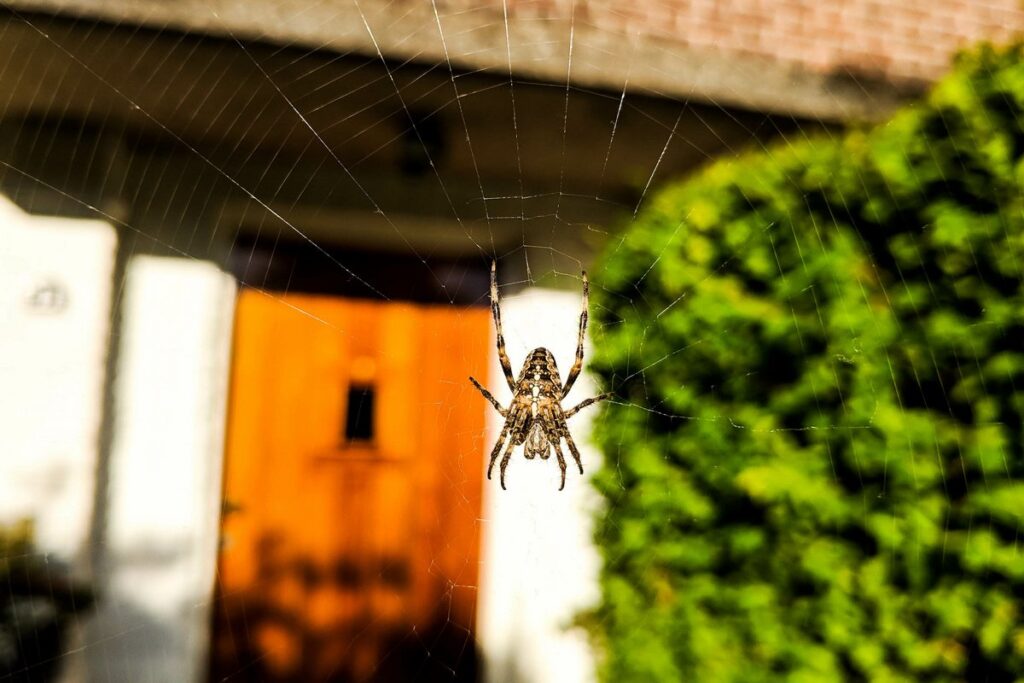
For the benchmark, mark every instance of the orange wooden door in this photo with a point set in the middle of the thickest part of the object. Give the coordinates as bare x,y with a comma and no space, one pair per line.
350,535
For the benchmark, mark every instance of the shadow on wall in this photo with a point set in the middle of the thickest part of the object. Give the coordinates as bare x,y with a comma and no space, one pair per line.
304,622
40,606
36,619
140,643
511,671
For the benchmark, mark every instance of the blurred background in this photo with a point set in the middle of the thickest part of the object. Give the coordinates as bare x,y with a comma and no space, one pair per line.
244,278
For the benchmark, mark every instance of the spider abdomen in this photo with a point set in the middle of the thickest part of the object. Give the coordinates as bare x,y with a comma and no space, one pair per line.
540,371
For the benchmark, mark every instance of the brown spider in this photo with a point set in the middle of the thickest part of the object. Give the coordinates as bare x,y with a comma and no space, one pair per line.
535,416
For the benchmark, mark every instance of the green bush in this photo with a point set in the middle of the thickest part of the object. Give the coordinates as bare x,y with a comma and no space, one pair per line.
814,466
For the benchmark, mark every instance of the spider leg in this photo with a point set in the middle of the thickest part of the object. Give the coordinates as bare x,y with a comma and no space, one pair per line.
583,404
561,459
554,433
487,395
542,428
506,364
518,435
504,464
497,446
564,429
574,371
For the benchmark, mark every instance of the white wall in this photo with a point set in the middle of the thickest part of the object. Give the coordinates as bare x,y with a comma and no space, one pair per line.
55,293
165,473
539,566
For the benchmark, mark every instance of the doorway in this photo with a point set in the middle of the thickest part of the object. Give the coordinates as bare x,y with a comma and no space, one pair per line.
353,477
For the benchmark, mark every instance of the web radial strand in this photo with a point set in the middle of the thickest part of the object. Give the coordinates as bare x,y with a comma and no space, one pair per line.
731,351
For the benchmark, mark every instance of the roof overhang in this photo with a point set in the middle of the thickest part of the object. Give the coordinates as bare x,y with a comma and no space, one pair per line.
488,38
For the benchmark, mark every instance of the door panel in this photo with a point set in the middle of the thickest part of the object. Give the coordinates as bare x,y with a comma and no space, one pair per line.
350,559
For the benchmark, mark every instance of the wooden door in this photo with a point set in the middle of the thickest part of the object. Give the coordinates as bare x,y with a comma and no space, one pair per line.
350,534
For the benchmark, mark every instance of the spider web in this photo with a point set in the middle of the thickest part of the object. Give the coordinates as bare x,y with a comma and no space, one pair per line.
274,128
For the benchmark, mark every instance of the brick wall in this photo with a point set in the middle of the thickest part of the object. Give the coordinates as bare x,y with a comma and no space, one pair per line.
902,40
825,59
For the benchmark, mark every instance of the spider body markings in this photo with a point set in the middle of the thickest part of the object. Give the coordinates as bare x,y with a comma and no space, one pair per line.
535,418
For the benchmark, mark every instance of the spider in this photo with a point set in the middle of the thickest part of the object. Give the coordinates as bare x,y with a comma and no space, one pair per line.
535,416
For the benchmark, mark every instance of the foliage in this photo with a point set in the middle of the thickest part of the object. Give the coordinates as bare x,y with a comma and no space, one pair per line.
815,468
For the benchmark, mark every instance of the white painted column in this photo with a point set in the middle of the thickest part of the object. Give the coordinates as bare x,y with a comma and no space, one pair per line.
539,567
55,287
55,293
165,473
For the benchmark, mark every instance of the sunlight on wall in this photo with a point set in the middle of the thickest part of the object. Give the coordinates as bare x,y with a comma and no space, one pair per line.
539,567
165,472
55,282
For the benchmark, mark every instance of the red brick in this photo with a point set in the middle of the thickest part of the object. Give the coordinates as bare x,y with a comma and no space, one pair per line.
903,38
